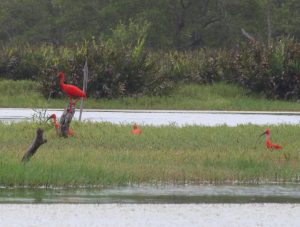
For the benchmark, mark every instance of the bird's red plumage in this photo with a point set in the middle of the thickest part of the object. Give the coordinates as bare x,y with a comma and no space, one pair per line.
56,125
53,116
269,144
136,130
71,90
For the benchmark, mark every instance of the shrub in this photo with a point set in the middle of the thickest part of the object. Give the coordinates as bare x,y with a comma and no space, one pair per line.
273,71
201,66
118,65
17,62
113,72
125,68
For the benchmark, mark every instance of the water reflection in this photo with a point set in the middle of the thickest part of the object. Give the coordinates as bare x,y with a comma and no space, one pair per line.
156,194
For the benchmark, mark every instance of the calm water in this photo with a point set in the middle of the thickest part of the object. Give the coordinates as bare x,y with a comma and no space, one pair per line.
156,194
152,117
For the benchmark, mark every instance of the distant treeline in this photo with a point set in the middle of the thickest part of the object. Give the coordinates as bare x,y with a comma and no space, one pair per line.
172,24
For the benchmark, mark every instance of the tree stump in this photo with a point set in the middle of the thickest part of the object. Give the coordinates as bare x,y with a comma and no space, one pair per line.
65,120
37,142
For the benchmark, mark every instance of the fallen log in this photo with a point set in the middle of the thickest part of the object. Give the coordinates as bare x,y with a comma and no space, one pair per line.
37,142
65,120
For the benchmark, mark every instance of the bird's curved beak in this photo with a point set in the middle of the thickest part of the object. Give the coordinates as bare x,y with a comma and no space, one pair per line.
48,119
263,133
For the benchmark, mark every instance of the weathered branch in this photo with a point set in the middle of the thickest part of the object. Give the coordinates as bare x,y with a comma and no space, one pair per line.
38,141
65,120
247,35
211,21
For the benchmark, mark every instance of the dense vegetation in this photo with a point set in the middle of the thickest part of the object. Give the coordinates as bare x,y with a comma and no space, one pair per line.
128,69
137,48
174,23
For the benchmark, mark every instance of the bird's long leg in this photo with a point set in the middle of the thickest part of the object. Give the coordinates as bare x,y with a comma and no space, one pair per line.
76,100
71,104
71,100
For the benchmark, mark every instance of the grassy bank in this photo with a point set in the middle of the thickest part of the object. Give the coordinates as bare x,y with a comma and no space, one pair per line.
189,97
105,154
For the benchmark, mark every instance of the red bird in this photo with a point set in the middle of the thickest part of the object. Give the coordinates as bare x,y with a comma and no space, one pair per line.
136,130
56,125
269,144
71,90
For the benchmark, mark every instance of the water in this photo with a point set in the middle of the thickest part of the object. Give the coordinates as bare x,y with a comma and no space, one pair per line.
169,205
169,194
152,117
136,215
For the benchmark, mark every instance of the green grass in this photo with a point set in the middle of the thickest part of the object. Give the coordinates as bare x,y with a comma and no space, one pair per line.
105,154
189,97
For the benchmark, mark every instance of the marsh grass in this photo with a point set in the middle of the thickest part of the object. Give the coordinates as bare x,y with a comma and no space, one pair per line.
106,154
186,97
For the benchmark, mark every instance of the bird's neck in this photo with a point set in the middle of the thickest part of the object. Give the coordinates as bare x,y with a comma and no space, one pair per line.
55,123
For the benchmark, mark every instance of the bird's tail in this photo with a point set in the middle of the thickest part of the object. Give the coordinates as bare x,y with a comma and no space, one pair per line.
276,146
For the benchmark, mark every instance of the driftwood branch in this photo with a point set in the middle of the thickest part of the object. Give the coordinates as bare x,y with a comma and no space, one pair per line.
38,141
65,120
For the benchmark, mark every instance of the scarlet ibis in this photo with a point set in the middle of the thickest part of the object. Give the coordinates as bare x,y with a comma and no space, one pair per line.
71,90
269,144
56,125
136,130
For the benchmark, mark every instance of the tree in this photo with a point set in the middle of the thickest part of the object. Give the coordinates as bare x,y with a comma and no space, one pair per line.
179,24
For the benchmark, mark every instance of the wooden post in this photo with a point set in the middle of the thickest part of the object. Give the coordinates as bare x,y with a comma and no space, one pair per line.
65,120
37,142
85,81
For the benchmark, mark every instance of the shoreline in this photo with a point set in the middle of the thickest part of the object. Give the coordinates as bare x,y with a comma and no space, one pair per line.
159,184
144,194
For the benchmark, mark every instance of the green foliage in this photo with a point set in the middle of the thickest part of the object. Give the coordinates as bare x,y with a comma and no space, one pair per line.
269,70
200,66
124,35
128,69
174,23
16,62
121,64
273,71
118,65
